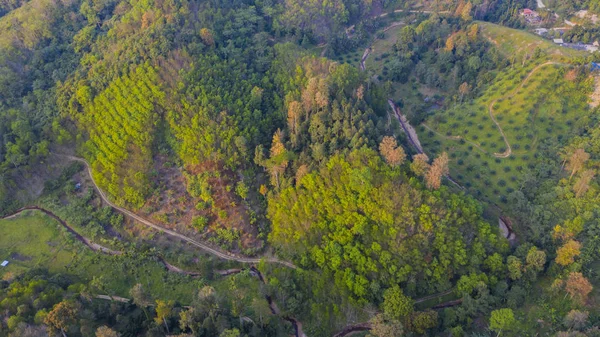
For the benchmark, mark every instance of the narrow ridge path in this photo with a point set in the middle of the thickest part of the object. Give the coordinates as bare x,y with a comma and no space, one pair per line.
220,254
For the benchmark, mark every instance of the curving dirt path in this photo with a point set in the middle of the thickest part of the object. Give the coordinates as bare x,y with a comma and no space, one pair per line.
508,151
89,243
427,298
93,246
223,255
408,129
98,248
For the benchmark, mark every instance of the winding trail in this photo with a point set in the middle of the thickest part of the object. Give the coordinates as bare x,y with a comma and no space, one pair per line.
408,129
427,298
220,254
98,248
93,246
89,243
508,151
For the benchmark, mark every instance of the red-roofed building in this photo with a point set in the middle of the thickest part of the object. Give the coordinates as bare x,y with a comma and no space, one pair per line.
528,13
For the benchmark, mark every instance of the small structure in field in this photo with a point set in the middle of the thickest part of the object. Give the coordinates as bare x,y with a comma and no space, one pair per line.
4,263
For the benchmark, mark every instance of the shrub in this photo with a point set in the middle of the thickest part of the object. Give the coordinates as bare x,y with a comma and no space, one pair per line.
201,205
200,223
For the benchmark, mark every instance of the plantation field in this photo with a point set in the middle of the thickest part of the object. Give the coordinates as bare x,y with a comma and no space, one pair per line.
381,49
352,58
533,105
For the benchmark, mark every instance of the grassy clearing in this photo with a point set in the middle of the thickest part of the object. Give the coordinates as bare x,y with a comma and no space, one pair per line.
533,105
381,50
34,240
517,43
381,45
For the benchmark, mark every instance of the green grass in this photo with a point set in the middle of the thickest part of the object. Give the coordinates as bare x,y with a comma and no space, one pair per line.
545,108
516,43
382,51
34,240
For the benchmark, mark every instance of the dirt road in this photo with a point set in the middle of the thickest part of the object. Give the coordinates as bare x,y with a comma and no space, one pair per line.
220,254
408,129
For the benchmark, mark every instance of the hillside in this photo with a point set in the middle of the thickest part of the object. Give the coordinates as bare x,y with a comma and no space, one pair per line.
286,167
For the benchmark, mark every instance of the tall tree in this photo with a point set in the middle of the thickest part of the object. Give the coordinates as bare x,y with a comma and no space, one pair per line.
391,152
578,287
164,310
62,316
438,169
583,183
396,305
105,331
382,327
535,259
279,160
566,254
420,164
502,319
577,161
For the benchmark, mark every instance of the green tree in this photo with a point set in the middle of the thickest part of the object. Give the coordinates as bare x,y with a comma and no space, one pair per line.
382,327
396,305
515,268
536,259
62,316
502,320
164,310
105,331
230,333
422,320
